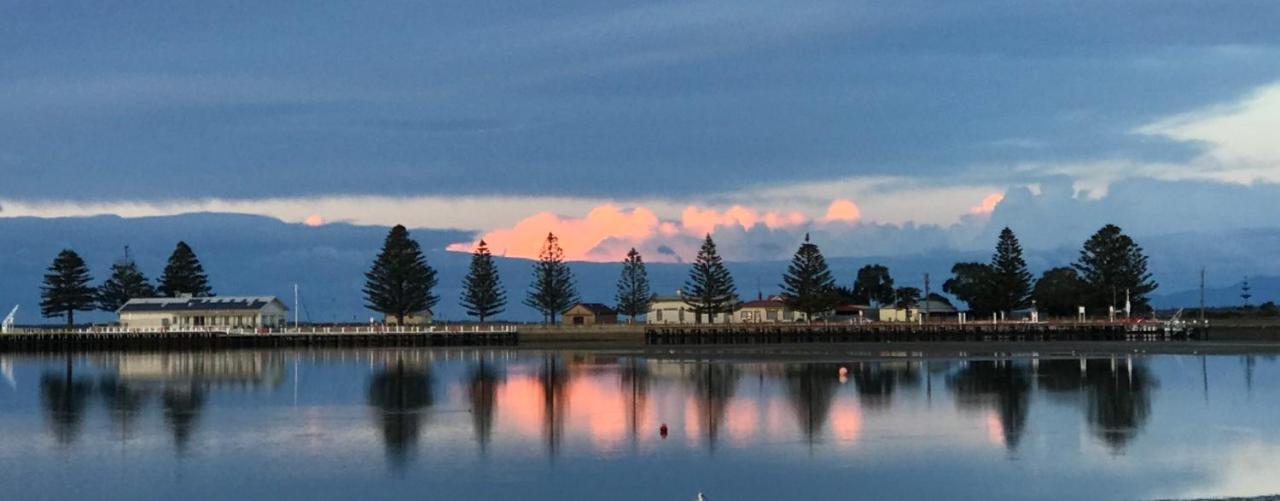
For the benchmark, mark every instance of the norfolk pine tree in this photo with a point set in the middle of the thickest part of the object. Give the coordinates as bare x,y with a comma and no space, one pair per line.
184,275
1110,264
1010,280
400,281
808,286
482,293
710,288
126,282
552,290
633,287
66,288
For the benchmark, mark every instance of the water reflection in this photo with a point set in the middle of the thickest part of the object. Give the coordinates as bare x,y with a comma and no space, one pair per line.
713,387
482,386
811,388
1002,385
65,398
502,418
400,393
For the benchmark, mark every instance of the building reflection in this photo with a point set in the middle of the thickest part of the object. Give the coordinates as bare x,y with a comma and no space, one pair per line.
399,394
811,389
1116,393
1001,385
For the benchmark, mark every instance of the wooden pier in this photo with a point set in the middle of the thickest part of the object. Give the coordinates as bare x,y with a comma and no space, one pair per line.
95,340
880,332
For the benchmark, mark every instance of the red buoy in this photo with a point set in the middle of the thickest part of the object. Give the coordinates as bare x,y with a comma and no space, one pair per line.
663,430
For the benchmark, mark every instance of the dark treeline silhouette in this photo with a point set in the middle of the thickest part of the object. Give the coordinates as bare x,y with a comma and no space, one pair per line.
877,381
1116,393
482,391
66,399
66,288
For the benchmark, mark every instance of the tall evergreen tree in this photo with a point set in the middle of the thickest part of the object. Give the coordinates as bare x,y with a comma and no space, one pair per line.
66,288
710,288
552,291
400,281
1110,264
1010,280
808,286
482,293
873,285
633,287
184,274
126,282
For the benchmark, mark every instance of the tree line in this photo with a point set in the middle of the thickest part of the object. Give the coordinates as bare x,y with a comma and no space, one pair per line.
66,288
1111,268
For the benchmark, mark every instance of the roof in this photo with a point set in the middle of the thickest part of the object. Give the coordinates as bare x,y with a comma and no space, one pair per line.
228,303
596,308
764,303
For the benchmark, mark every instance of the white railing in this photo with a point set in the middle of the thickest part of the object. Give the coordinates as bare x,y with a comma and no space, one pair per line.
371,329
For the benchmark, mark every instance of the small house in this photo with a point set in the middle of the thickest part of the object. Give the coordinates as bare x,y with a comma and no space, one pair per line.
768,310
674,310
413,318
589,314
935,310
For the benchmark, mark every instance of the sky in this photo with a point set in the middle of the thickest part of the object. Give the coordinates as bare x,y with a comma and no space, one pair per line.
881,126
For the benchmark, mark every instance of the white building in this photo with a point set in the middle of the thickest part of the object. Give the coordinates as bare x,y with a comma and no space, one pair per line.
673,310
203,312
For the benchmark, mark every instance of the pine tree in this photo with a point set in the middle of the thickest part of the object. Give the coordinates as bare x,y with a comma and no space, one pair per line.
552,290
66,288
482,293
873,285
1110,264
400,281
1011,282
184,275
710,288
633,287
808,286
126,282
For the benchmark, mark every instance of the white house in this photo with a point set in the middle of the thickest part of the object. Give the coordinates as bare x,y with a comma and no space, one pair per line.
673,310
203,312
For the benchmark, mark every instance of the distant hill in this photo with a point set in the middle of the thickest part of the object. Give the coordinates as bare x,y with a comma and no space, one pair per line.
260,255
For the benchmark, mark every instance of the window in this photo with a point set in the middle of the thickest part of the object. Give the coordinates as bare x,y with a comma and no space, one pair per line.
657,317
787,315
771,315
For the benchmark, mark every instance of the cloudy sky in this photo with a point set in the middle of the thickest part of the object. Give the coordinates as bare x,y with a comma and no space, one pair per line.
648,123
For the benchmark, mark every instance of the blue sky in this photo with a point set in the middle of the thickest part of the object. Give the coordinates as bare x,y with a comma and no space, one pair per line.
914,110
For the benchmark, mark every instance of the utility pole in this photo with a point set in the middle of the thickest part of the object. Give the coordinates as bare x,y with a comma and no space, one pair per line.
1201,295
926,297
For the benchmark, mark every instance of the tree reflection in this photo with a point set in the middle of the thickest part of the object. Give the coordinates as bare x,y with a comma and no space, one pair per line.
554,379
482,387
714,385
1117,394
182,408
634,380
1000,383
399,394
124,403
811,389
65,398
876,381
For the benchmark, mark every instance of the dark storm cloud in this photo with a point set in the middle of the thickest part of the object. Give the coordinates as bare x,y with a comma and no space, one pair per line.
249,99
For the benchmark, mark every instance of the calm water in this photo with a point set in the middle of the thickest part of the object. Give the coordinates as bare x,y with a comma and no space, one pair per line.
554,425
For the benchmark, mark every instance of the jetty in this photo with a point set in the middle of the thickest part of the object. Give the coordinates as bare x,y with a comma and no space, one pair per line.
94,339
883,332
